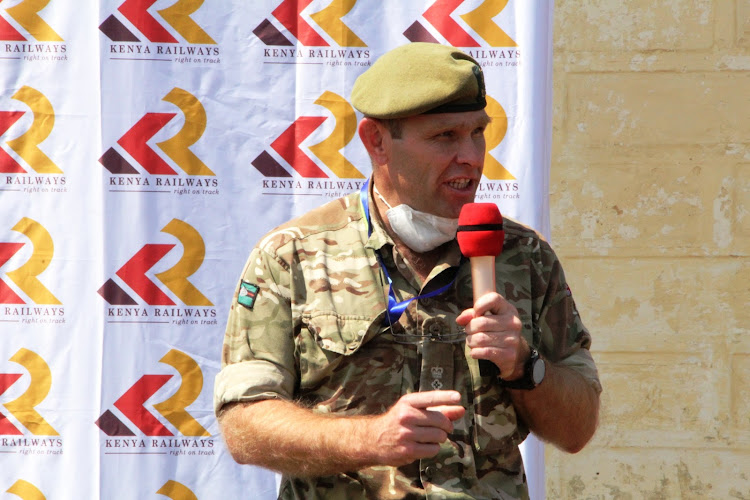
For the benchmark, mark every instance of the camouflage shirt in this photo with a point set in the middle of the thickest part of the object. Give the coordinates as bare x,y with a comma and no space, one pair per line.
307,324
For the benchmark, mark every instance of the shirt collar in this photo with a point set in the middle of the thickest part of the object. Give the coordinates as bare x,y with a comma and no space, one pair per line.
379,237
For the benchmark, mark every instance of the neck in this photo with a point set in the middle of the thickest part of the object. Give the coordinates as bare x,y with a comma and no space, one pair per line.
422,263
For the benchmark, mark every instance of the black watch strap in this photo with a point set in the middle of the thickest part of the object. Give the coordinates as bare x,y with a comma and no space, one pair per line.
526,381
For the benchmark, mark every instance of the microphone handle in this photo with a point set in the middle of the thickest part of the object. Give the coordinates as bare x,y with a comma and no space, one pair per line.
482,275
483,282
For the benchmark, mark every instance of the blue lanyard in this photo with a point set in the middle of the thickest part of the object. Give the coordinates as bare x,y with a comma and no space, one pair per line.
395,308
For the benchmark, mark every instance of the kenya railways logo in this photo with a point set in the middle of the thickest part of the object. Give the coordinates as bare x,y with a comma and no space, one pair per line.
24,430
440,17
26,35
287,166
133,422
328,41
331,29
23,407
29,169
163,308
135,33
133,154
28,300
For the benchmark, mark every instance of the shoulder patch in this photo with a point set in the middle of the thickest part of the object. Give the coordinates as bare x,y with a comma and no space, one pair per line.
248,294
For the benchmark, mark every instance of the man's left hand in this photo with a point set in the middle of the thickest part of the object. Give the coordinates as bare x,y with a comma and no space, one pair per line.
493,332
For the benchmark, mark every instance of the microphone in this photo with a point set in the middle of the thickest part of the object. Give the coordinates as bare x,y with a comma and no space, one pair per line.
480,237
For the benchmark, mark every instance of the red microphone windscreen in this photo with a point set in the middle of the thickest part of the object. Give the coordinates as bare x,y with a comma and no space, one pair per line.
480,230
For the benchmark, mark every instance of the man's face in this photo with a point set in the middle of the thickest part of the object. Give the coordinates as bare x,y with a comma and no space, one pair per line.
436,164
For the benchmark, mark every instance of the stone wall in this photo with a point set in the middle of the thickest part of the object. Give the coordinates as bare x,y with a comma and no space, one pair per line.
650,204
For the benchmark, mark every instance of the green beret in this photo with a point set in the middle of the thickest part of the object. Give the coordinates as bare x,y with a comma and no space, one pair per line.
420,78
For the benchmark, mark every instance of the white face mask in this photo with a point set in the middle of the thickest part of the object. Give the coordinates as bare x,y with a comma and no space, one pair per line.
419,231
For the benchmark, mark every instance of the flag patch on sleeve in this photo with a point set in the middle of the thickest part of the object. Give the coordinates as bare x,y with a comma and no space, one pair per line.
248,294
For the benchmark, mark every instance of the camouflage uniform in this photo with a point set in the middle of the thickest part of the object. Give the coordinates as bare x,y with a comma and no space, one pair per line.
315,334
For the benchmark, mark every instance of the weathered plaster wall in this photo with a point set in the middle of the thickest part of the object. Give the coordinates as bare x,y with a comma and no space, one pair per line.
650,202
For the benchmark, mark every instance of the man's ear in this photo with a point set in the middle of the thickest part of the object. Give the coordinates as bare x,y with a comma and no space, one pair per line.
376,139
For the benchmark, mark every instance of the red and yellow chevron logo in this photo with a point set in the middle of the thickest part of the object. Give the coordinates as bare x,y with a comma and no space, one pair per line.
26,15
176,148
133,272
440,13
26,145
177,16
25,276
23,408
288,146
289,15
132,403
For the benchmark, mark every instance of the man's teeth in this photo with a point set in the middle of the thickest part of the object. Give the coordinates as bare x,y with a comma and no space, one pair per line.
459,184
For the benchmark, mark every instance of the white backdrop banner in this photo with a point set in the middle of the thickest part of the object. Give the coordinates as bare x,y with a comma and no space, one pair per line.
145,146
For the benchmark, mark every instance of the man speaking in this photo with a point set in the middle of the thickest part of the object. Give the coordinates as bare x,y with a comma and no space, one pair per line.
357,361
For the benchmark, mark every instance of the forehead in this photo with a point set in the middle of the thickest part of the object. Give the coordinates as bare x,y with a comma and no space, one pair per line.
441,121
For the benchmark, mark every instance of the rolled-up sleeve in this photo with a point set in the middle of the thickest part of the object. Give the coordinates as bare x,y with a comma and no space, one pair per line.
258,354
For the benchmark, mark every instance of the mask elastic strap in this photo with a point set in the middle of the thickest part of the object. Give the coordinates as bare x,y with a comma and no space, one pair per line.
375,190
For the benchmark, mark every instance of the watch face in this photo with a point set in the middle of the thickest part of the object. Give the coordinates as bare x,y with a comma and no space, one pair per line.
538,371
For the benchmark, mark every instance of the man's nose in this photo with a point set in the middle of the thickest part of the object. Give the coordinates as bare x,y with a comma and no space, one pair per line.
471,152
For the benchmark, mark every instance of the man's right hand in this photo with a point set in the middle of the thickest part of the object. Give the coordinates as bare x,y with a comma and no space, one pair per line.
415,426
282,436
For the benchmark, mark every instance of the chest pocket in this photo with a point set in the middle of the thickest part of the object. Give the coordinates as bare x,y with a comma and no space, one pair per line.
348,365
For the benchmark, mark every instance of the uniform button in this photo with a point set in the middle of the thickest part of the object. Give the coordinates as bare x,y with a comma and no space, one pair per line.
429,472
435,328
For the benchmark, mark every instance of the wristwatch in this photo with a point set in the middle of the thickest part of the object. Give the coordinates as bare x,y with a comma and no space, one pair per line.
533,374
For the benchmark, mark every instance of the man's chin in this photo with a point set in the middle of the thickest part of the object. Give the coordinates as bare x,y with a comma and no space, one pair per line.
456,207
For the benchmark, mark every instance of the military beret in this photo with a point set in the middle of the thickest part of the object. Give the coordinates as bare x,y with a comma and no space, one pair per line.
420,78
